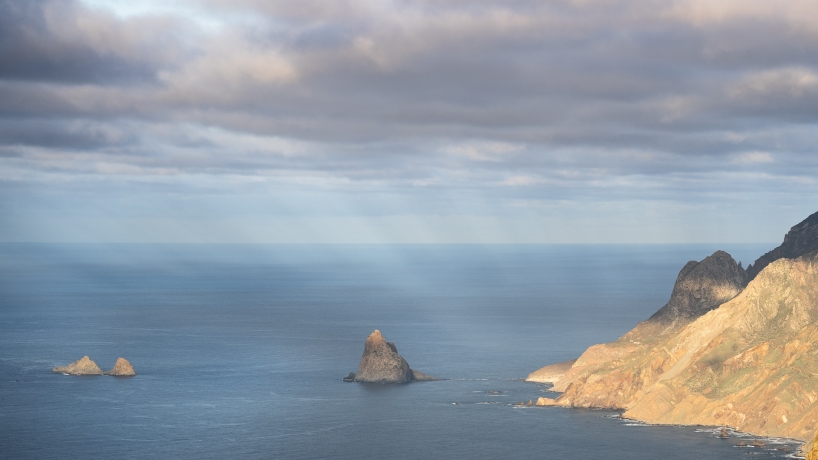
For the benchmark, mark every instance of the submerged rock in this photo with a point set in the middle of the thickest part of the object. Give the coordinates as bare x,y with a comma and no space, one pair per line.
82,366
122,368
421,377
381,363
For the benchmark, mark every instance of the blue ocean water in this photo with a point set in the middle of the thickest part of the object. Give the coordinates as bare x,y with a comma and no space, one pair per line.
240,350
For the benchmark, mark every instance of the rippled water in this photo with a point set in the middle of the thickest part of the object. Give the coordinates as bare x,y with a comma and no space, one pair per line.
240,350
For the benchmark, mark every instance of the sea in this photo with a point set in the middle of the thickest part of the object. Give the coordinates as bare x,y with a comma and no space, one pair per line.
240,350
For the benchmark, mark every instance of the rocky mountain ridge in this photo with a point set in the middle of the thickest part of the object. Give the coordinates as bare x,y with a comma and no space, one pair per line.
800,240
749,361
750,364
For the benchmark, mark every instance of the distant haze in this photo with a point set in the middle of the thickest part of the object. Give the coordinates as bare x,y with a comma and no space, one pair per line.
565,121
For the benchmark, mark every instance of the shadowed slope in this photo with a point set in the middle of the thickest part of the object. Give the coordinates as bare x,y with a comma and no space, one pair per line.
800,240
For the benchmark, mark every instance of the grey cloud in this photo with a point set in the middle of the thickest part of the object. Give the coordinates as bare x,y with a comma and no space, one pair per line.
373,93
62,134
62,41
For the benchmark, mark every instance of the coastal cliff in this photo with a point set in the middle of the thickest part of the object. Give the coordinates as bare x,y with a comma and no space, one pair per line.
749,364
381,363
699,288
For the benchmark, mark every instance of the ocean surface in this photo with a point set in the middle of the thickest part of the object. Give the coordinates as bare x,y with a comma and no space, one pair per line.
240,350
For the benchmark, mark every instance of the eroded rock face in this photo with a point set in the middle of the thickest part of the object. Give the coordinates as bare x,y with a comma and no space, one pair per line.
122,368
82,366
381,363
800,240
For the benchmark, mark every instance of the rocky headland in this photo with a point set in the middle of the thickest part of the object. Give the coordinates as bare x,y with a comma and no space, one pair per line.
551,373
718,353
381,363
85,366
699,288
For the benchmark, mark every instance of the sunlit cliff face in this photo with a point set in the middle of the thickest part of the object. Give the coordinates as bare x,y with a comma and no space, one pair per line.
559,121
747,364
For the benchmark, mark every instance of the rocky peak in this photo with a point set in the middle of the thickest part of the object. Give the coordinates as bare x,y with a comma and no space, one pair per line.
800,240
381,363
701,287
122,368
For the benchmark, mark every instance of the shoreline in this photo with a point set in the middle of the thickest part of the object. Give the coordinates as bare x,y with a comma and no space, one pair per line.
799,451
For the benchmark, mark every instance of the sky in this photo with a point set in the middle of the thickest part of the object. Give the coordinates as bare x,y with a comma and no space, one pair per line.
414,121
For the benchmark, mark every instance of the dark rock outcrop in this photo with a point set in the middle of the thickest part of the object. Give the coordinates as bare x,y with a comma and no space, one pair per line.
381,363
701,287
82,366
122,368
800,240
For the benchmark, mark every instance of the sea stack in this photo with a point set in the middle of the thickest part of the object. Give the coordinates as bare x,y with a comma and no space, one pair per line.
381,363
122,368
82,366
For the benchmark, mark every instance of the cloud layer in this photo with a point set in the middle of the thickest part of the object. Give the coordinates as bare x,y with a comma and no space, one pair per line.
528,111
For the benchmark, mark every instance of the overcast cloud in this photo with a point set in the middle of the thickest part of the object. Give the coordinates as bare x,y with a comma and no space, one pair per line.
407,121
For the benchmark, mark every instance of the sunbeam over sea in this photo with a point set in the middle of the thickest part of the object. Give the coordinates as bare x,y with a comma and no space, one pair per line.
240,349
